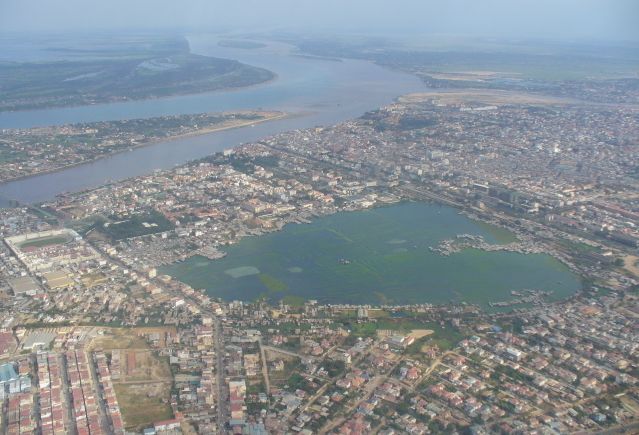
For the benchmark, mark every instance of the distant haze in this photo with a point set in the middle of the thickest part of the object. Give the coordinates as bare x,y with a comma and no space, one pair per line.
601,20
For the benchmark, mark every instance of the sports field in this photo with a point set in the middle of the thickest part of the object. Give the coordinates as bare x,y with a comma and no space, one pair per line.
41,242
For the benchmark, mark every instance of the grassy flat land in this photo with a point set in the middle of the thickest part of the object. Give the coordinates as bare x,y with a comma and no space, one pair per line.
291,365
142,404
129,338
144,386
631,264
484,96
117,338
120,72
136,225
44,241
426,333
470,60
144,366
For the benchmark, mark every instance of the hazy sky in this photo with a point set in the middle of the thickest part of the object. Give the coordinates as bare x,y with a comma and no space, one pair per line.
565,19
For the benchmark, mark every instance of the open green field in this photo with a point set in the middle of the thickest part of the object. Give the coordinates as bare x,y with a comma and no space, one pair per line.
535,60
45,241
142,404
137,225
9,154
143,389
443,336
389,262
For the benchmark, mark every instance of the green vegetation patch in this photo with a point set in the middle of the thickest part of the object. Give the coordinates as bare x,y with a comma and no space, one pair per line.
347,258
445,337
293,301
139,407
538,61
137,225
120,72
239,272
45,241
273,284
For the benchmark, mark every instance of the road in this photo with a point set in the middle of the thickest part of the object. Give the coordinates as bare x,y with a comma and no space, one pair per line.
368,391
105,421
282,351
222,401
629,429
69,418
267,381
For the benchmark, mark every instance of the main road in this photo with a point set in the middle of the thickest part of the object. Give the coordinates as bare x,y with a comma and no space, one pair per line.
222,411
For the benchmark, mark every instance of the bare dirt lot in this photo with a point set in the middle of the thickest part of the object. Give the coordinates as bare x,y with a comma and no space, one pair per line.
142,404
631,264
483,96
143,382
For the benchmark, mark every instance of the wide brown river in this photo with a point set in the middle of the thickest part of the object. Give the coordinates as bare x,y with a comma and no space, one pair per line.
324,92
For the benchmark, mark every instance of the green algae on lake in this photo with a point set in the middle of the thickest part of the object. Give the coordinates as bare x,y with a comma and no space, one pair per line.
376,256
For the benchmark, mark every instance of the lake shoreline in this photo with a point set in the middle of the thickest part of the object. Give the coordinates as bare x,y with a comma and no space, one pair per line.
547,273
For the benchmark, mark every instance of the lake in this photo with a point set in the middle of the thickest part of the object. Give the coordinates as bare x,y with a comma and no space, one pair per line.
388,261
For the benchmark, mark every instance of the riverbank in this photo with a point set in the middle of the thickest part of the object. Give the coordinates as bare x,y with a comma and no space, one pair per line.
122,71
226,125
326,92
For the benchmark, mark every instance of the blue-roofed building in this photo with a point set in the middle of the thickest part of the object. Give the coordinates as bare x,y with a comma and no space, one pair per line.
256,429
8,372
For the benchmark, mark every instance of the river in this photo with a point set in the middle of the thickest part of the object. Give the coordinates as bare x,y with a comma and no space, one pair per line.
319,92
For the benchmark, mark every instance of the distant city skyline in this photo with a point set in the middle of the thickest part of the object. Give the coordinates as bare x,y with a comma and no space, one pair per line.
599,20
